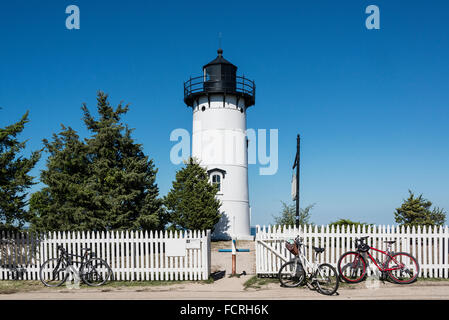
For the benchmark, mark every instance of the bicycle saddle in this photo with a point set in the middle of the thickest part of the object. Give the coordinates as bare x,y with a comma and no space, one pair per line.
390,241
318,250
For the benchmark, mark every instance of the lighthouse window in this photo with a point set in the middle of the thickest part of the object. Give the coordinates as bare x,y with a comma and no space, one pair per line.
216,179
209,74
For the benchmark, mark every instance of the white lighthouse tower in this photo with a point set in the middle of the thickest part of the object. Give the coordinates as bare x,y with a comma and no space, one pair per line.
219,100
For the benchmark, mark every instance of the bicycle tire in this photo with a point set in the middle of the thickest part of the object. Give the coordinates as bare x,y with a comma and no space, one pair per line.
96,272
332,279
46,268
287,270
342,269
392,274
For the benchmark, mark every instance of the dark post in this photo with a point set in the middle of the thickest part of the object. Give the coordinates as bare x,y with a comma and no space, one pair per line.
296,164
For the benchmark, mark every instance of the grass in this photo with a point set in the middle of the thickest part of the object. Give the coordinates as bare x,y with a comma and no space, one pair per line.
154,283
16,286
257,283
237,275
433,279
130,284
208,281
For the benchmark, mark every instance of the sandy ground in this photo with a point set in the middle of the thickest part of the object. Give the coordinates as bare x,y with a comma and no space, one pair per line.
222,261
232,288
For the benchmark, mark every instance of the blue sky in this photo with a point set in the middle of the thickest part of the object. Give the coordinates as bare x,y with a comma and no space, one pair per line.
372,106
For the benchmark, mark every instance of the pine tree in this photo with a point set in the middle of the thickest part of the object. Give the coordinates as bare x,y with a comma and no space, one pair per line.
14,176
191,202
65,203
103,183
417,211
121,178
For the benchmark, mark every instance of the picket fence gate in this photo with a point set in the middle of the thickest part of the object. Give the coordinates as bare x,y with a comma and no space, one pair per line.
429,245
132,255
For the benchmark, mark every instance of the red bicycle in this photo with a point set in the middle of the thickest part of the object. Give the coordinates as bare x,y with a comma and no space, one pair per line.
400,267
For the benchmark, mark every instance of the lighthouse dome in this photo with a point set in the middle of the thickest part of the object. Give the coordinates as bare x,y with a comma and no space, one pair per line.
219,60
219,77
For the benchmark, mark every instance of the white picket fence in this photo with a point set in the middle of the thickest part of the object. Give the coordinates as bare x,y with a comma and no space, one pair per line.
132,255
430,245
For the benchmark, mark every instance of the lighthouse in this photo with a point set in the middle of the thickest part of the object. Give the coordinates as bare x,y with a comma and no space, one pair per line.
219,99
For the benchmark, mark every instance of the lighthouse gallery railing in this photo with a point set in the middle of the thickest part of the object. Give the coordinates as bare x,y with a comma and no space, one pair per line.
242,85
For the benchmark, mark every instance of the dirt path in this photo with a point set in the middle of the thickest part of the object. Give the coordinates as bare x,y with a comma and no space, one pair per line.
226,288
233,289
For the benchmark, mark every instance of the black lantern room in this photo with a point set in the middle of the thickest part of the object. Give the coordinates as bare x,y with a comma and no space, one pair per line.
219,77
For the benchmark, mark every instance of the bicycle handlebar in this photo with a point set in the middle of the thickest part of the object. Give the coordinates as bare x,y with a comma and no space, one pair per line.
61,248
300,242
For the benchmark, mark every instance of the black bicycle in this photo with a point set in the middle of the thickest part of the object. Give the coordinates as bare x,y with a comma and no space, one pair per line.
92,270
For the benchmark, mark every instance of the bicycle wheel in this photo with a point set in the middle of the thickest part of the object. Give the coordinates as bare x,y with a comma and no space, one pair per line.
406,268
291,274
95,272
53,273
352,267
327,279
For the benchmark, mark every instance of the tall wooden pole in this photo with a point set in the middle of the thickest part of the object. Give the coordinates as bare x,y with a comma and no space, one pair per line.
234,257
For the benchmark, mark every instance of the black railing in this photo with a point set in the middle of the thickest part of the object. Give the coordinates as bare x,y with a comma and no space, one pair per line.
229,84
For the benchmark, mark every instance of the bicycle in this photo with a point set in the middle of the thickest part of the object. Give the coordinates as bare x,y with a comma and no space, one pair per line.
92,270
400,267
323,277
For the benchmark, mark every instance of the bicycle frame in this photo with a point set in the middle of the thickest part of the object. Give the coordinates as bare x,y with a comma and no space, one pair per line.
400,265
67,258
306,264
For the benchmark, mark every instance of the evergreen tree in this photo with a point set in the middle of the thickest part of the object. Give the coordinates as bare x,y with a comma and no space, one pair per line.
122,179
191,202
103,183
65,204
14,176
417,211
287,215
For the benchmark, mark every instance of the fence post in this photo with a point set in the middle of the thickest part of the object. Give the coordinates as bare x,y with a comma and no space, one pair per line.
205,254
446,251
257,248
